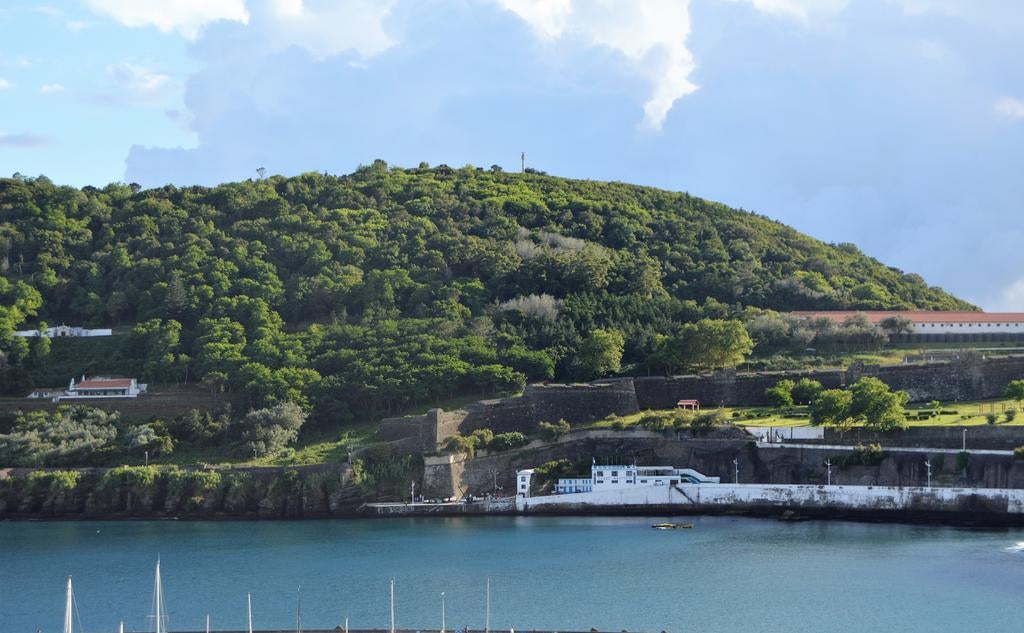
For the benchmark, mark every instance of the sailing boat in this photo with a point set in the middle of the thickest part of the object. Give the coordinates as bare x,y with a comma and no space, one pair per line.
159,611
69,607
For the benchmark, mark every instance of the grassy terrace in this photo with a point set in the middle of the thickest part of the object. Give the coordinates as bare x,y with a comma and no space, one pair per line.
950,414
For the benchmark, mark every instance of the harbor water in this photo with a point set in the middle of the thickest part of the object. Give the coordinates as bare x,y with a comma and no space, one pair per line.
554,573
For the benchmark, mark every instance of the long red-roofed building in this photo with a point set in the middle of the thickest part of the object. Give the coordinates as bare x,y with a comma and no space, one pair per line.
925,322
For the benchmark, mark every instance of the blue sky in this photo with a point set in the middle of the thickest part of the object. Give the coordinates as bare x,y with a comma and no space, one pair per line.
894,124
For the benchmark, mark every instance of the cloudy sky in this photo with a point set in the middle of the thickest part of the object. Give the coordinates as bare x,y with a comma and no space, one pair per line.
894,124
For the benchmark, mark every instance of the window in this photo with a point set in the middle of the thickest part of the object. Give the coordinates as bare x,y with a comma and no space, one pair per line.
643,481
615,481
615,473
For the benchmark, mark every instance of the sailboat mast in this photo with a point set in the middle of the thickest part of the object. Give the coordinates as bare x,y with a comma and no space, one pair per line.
487,620
158,601
250,612
207,623
69,606
298,610
392,605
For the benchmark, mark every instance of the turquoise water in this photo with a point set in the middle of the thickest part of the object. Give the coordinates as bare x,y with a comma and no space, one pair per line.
726,574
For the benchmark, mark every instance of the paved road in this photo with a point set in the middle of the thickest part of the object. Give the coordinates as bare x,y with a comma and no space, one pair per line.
903,449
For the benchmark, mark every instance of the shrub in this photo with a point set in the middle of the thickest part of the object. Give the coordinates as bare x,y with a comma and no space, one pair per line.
552,432
1018,453
991,418
806,390
1011,415
481,437
507,441
781,395
618,425
705,421
458,443
863,455
268,431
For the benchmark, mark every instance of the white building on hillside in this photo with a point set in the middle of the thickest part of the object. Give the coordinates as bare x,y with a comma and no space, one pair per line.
62,331
93,388
604,478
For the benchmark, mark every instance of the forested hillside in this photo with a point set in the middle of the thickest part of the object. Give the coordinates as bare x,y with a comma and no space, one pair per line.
353,296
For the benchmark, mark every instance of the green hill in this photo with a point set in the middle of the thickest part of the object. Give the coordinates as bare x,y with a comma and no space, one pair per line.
358,295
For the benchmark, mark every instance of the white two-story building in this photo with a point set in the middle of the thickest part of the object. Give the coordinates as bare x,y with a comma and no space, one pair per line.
617,477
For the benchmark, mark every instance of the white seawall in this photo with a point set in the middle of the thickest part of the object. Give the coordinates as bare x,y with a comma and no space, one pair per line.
724,497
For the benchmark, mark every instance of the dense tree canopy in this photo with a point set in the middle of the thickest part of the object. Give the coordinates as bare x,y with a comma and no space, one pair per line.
360,294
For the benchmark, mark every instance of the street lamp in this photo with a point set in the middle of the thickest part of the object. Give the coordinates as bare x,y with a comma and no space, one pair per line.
147,458
736,470
928,465
413,492
828,466
964,445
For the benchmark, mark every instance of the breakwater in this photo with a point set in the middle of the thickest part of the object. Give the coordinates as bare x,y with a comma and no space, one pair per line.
987,506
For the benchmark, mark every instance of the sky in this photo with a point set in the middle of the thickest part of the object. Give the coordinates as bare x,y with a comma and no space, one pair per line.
897,125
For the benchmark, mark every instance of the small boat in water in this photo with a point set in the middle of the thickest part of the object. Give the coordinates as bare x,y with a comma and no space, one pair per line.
671,526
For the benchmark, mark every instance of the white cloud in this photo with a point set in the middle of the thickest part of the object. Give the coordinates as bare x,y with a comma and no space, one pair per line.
1010,107
802,10
17,61
651,35
23,140
325,28
140,82
1011,298
187,17
5,85
49,89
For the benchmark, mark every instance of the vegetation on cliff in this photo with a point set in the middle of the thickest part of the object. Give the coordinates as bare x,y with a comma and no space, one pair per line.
361,295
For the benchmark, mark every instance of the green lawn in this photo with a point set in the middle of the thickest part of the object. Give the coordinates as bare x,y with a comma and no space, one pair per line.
966,414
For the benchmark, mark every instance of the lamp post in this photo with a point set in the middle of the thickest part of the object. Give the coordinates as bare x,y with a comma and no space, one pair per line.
736,470
963,446
442,612
928,465
828,467
412,493
147,458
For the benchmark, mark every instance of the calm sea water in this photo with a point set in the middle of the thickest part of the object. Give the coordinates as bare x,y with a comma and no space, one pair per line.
726,574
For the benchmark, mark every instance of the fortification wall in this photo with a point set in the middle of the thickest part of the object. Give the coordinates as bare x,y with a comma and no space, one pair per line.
714,455
968,378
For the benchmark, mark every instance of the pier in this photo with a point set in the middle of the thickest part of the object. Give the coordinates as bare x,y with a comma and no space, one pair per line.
499,505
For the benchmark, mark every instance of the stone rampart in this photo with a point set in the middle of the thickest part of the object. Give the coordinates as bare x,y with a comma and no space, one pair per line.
713,456
968,378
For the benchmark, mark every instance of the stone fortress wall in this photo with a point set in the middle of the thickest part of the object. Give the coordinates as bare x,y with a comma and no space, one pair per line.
969,377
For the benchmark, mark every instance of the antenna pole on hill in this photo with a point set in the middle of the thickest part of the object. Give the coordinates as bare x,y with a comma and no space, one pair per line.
522,163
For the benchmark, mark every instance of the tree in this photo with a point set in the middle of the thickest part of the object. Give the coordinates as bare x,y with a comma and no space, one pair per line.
600,354
881,408
1015,391
268,431
896,324
832,406
806,390
781,394
706,344
552,432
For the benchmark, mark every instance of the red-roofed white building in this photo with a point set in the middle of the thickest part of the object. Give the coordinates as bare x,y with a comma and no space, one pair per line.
90,388
923,322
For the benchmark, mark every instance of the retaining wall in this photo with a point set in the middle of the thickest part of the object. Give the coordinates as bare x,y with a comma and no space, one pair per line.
970,377
967,502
